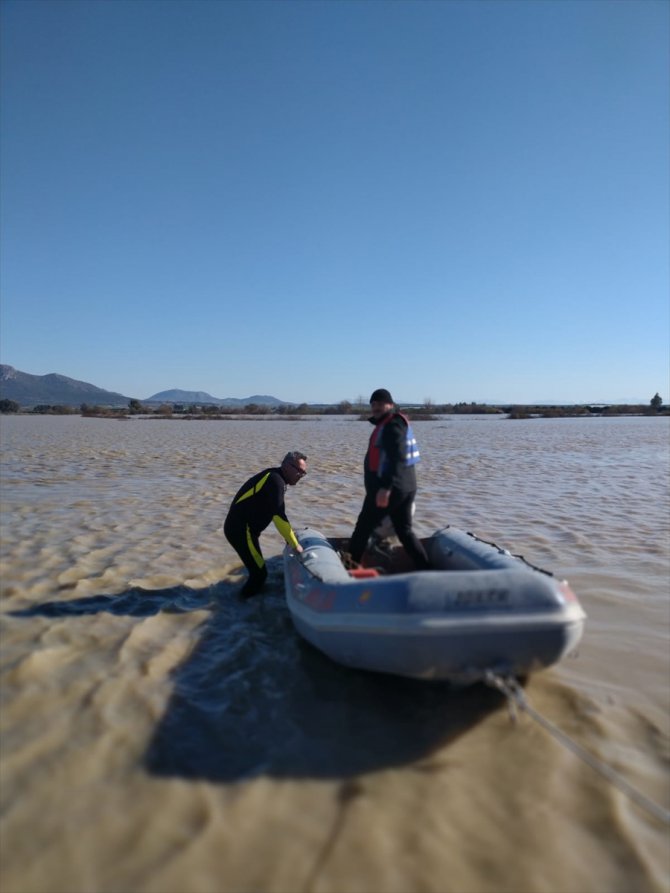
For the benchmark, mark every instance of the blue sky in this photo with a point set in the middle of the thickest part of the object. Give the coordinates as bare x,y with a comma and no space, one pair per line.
452,200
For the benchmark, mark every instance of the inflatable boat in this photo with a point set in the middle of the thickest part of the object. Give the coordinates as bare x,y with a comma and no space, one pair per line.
478,609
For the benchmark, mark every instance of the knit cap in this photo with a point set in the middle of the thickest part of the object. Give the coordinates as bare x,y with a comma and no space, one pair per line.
381,395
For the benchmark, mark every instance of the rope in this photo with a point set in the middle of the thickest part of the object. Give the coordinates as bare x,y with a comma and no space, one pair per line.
516,697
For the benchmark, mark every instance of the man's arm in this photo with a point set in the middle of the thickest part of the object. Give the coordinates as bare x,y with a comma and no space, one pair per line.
282,524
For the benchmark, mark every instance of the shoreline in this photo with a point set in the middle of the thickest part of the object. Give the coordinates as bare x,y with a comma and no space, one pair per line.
416,414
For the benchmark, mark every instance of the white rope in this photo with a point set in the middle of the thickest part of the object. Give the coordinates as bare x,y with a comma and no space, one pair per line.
516,697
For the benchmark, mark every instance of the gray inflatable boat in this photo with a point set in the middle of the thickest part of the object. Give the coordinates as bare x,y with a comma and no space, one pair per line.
480,609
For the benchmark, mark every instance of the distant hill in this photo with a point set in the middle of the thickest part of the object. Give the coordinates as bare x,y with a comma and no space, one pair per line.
57,390
176,396
202,397
53,390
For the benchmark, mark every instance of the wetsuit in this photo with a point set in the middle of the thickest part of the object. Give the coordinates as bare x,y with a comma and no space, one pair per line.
257,502
385,468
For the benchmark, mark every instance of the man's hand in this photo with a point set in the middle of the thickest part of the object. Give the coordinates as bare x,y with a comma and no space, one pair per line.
383,497
298,548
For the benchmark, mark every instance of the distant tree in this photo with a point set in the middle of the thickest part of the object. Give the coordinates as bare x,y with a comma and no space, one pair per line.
656,402
94,411
9,406
135,406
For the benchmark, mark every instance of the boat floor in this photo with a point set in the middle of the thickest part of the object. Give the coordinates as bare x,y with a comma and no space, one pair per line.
385,556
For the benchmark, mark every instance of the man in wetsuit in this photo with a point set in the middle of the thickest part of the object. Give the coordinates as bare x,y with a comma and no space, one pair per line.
257,502
390,480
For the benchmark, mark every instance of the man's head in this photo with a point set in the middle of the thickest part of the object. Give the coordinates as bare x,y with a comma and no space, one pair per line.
381,402
294,467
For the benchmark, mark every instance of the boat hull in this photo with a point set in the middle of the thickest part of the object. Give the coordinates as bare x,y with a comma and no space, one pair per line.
481,610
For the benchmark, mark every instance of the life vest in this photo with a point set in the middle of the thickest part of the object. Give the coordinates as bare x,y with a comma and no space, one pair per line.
377,458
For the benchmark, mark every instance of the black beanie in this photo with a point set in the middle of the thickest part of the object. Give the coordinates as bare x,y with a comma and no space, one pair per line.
382,396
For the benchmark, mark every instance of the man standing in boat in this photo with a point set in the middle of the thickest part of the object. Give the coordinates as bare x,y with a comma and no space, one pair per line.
257,502
390,480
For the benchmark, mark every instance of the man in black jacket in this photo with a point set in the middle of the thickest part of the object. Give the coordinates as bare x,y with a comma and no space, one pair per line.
390,480
257,502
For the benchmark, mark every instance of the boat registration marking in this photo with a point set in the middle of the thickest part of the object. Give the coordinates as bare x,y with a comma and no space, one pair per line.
482,597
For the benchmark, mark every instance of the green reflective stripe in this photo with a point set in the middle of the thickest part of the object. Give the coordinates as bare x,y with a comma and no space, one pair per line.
253,490
255,554
286,530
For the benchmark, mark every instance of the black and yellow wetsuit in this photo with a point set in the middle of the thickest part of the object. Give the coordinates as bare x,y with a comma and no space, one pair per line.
257,502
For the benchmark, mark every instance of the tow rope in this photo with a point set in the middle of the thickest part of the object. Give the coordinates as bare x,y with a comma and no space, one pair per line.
517,699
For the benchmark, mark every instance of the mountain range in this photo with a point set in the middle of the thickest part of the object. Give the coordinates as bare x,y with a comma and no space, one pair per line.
202,397
57,390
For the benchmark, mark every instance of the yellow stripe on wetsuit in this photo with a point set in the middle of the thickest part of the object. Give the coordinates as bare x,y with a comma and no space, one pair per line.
286,530
253,490
255,554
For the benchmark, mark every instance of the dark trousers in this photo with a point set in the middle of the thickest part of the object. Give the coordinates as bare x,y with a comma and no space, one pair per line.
400,513
247,547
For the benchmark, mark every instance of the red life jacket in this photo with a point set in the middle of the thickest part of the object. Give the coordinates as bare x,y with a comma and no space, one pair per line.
377,456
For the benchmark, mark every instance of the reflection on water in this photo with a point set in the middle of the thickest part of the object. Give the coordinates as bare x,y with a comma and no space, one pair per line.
230,755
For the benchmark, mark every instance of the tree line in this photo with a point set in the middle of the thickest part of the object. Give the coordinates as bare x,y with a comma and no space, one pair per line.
427,410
